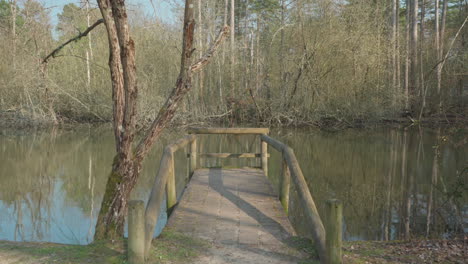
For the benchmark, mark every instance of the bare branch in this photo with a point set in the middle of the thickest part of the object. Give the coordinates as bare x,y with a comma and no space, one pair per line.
197,66
83,34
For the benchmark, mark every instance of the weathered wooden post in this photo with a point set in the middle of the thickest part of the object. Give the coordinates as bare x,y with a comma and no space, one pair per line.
171,184
334,231
136,232
193,157
285,184
265,157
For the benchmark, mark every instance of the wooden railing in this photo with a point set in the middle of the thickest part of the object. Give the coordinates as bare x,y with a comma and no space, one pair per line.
329,248
291,169
165,179
236,131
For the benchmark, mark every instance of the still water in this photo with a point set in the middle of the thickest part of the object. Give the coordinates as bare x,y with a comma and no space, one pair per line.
392,181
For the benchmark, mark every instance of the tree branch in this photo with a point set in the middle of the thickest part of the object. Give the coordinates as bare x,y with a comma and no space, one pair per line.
197,66
83,34
183,85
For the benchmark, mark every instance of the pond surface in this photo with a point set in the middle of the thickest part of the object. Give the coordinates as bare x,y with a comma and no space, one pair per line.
393,182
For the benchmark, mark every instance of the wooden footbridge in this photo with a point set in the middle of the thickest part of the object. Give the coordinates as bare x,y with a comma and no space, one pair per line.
236,210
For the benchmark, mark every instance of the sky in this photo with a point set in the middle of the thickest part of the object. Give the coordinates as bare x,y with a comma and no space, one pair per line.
163,8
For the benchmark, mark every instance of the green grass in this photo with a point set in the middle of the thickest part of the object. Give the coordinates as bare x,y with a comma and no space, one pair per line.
173,247
170,247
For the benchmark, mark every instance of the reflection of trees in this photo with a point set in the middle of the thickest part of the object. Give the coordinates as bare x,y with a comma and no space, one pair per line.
32,169
26,182
370,171
383,178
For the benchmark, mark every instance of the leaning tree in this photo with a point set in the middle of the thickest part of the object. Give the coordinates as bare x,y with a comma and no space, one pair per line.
128,161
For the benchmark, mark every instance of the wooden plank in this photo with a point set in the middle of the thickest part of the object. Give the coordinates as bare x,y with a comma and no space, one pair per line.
235,209
208,130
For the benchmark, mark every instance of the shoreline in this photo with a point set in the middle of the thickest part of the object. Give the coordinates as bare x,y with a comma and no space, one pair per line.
18,121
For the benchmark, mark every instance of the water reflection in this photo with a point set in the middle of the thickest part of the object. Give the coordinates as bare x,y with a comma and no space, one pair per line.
394,183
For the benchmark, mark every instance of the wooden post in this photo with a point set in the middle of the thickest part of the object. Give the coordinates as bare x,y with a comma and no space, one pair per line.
285,184
136,232
334,231
193,157
171,184
265,157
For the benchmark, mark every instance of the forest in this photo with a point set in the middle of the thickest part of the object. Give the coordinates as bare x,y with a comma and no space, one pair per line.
286,62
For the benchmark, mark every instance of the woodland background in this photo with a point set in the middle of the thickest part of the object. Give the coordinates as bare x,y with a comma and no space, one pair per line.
287,62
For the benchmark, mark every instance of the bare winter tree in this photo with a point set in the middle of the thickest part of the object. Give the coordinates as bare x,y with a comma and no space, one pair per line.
128,161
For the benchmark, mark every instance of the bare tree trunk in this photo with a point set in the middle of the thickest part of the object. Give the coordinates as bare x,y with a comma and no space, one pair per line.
226,5
128,160
127,163
437,48
125,168
394,49
200,46
421,57
13,31
440,55
232,48
414,88
89,52
281,51
407,59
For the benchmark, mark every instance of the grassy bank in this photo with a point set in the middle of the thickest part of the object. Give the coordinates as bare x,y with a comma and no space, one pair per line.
174,248
170,247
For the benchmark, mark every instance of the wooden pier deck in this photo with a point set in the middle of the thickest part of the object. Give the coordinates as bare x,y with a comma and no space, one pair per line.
239,213
236,210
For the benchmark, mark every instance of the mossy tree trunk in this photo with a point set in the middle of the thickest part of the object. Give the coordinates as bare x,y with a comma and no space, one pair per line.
128,161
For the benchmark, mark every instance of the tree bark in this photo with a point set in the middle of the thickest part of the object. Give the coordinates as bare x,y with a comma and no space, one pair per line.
13,31
437,46
421,57
232,48
89,52
441,54
128,161
200,47
414,86
125,169
394,49
407,59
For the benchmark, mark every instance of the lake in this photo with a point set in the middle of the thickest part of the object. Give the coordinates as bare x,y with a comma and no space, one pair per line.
392,181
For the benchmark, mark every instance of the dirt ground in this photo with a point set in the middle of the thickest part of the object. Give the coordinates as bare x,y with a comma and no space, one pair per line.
173,248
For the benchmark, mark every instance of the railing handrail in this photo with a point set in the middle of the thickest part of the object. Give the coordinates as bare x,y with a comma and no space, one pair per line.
229,130
166,169
311,212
